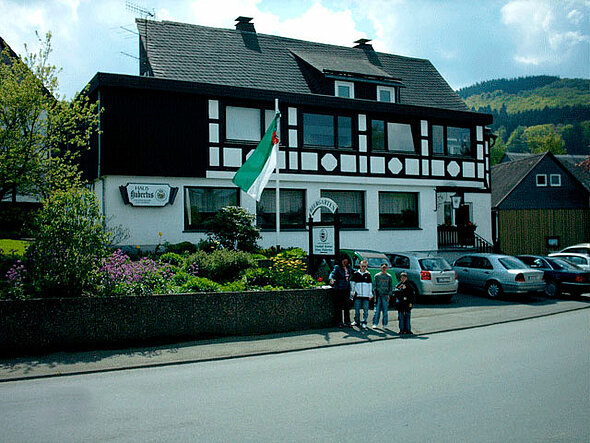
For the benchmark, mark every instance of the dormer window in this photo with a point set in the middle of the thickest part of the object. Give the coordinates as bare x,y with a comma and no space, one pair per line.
343,89
385,94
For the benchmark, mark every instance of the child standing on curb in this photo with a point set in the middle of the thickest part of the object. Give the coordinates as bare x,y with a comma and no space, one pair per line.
361,287
382,290
405,301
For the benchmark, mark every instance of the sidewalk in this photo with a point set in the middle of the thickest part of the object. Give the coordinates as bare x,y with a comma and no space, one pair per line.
465,312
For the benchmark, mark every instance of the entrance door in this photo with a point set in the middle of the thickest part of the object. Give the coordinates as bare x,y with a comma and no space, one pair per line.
462,215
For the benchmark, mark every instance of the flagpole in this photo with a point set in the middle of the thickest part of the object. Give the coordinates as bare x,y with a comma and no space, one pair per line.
277,201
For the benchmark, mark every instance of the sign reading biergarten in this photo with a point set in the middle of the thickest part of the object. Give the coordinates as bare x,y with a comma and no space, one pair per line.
145,194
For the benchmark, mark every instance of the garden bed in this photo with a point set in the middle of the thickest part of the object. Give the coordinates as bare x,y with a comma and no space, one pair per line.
44,325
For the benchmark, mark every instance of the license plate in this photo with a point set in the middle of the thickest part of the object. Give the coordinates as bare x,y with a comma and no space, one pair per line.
443,279
531,277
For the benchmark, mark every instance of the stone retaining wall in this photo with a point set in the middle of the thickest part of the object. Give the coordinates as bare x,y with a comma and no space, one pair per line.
44,325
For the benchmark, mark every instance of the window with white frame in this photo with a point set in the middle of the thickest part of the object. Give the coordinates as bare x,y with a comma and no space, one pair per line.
388,136
451,141
385,94
541,179
555,180
202,203
292,202
351,208
329,131
343,89
398,210
246,124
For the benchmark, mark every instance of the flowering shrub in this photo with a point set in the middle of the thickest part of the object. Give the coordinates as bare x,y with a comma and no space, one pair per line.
289,273
15,279
119,275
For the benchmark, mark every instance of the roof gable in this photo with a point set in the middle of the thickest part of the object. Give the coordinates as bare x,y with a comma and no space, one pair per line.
247,59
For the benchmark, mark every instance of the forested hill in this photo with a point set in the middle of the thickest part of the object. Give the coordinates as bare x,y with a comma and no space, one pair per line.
561,106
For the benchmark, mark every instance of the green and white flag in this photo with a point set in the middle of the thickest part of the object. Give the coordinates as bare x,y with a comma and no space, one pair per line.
254,174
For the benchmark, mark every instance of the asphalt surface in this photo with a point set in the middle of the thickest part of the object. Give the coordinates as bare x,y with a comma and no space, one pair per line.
464,312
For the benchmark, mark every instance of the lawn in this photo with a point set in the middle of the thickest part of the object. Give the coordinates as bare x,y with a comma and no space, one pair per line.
9,246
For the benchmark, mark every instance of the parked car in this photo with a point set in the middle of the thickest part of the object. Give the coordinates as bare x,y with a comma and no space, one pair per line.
431,276
580,248
374,260
582,260
560,275
497,274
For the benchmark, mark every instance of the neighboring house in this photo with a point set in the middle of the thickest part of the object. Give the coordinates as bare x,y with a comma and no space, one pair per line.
383,135
540,202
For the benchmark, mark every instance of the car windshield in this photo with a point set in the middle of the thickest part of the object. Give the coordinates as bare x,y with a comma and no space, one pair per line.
563,264
512,263
434,264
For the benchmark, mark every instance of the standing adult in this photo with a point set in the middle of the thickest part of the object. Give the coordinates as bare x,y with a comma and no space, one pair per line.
361,290
382,290
340,281
406,298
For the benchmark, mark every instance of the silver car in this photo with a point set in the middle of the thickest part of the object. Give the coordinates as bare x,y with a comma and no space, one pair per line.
497,274
430,276
582,260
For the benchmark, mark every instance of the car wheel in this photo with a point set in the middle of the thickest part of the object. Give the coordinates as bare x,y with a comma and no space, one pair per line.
551,289
494,289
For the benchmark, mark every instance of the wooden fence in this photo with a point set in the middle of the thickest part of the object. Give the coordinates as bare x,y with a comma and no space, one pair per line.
525,231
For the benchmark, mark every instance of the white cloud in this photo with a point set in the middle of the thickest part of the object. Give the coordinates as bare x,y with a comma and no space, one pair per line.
545,32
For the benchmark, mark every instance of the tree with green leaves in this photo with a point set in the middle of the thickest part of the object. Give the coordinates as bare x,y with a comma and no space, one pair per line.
41,133
234,228
543,138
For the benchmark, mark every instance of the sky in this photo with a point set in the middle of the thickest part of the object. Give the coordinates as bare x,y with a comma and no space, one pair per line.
468,41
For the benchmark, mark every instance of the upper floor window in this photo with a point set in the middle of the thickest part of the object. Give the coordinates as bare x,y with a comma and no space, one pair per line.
555,180
327,131
391,136
292,202
202,203
452,141
343,89
351,208
385,94
541,179
246,124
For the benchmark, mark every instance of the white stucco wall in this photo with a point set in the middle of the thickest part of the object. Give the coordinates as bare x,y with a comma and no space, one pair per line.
145,223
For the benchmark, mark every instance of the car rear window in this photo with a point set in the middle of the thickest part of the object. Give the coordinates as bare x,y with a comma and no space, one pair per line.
564,264
434,264
512,263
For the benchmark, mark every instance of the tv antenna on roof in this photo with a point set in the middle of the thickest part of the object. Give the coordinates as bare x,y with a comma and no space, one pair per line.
143,12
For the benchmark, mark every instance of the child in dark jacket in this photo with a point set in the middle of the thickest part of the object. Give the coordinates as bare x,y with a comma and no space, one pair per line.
406,297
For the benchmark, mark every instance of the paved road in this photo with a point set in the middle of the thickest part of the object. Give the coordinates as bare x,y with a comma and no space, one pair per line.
521,381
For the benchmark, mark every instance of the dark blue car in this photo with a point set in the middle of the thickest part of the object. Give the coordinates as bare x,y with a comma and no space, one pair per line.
560,275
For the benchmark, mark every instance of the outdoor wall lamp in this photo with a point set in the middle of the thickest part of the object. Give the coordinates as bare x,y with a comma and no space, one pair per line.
456,201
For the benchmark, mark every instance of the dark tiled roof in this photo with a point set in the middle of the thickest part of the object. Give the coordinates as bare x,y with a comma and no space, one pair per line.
506,176
570,162
202,54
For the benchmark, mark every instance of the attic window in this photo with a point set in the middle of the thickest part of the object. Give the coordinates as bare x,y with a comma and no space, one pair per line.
385,94
555,180
541,179
343,89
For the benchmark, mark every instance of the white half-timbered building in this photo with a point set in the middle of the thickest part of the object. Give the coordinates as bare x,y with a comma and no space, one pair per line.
382,135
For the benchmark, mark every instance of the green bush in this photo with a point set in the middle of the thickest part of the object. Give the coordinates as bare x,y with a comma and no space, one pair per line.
200,284
256,277
70,244
222,265
234,228
234,286
172,258
180,248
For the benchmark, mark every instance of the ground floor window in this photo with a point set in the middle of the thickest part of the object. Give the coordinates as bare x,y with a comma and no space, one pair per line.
351,208
398,210
292,203
202,203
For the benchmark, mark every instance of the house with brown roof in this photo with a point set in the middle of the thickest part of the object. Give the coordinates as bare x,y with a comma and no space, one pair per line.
540,202
382,135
